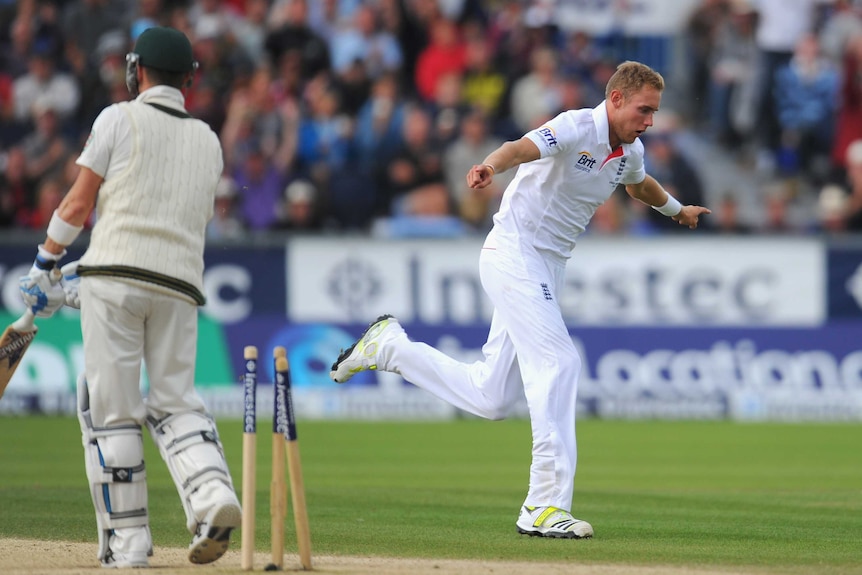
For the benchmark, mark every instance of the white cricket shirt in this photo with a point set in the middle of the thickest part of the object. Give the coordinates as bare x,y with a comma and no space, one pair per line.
551,200
160,170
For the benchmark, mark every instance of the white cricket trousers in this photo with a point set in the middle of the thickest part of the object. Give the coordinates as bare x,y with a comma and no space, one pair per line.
122,324
528,353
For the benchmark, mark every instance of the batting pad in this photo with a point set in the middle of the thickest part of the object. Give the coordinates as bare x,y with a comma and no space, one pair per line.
189,444
114,460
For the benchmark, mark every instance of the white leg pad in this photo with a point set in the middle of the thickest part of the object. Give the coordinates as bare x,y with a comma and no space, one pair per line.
114,460
190,446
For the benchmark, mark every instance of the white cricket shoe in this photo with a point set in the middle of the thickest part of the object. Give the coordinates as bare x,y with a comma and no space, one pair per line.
362,355
552,522
126,561
128,548
212,535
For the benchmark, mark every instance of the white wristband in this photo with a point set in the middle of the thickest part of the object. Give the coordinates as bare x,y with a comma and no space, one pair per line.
670,208
62,231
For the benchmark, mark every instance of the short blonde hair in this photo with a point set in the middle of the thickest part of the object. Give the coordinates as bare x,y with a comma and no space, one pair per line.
630,77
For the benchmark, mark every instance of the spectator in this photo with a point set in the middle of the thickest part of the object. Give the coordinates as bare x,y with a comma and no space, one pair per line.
781,25
447,108
48,196
367,42
260,186
17,190
727,217
484,86
45,84
776,199
536,96
86,20
208,105
99,73
733,87
215,14
7,133
256,119
665,162
221,63
379,123
295,36
325,17
411,23
14,55
414,183
849,122
225,224
353,87
701,34
324,134
831,209
475,206
580,57
445,54
299,208
44,148
806,93
841,26
853,211
251,30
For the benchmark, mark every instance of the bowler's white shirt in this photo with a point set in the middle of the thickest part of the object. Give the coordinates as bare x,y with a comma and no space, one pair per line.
552,199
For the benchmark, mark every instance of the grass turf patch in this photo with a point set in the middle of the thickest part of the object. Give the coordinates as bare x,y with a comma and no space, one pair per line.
777,497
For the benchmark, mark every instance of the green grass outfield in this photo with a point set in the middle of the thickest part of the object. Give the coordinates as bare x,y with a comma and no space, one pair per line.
769,497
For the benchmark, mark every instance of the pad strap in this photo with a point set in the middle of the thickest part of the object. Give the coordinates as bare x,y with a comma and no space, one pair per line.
114,461
189,444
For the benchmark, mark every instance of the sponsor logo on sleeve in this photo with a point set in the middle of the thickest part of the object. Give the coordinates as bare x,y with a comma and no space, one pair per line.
548,134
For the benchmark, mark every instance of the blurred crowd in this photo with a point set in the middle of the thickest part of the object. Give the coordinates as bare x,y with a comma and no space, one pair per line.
365,115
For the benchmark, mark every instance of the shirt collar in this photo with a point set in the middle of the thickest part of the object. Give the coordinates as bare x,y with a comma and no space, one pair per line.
600,119
165,95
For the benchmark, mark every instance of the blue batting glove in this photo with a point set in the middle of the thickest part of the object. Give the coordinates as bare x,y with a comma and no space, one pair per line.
41,289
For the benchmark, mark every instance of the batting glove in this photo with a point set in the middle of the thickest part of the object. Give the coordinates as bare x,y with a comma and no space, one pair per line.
70,282
41,289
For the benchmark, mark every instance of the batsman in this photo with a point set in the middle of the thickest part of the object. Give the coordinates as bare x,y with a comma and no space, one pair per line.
150,171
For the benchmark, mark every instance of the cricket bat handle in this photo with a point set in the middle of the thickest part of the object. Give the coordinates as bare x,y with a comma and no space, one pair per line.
300,513
25,323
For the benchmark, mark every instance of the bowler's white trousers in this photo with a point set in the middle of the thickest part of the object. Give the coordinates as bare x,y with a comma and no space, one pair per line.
122,324
528,353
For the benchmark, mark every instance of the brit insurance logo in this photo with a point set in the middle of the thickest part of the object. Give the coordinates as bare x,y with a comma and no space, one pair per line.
586,162
548,134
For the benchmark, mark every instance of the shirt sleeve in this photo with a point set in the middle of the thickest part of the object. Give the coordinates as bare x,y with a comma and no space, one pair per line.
106,132
554,136
634,170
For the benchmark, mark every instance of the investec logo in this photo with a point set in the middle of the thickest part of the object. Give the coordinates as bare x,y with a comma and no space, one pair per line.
586,162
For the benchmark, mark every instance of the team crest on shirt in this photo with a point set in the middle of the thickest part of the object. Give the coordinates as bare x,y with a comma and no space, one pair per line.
586,162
